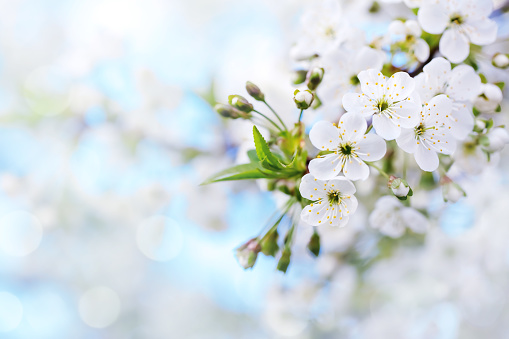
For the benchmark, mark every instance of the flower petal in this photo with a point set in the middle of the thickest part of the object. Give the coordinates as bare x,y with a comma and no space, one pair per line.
426,158
414,220
371,147
482,32
433,18
407,141
462,120
352,126
464,83
324,135
406,113
385,128
349,205
454,45
356,169
359,103
373,83
421,50
326,167
315,214
400,85
368,57
312,188
342,184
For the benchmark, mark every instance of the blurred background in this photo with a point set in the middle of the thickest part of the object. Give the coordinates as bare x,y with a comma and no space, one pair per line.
106,132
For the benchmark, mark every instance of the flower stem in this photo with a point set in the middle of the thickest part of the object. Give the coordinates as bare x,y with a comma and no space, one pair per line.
369,129
270,120
300,116
382,172
280,120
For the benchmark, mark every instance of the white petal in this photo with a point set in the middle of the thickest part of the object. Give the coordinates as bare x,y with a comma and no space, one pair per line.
437,111
368,58
438,68
462,120
413,28
414,220
326,167
482,32
352,126
400,86
397,27
433,18
312,188
373,83
407,141
371,148
350,205
359,103
385,128
342,184
356,169
406,114
454,45
324,135
464,83
426,159
315,215
421,50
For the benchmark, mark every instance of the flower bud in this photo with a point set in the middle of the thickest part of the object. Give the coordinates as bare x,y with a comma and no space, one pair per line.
314,244
399,187
451,191
489,99
240,103
303,99
284,261
269,243
299,77
314,78
254,91
227,111
496,140
500,60
247,253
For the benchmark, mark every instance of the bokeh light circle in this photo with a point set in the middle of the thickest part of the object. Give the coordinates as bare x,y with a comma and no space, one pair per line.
159,238
20,233
11,312
99,307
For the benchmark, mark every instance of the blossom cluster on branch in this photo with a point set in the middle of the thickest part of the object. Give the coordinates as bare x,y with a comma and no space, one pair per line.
410,110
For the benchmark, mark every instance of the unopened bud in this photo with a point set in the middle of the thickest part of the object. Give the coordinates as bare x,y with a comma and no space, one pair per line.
399,187
303,99
496,140
269,243
227,111
314,244
489,99
299,77
254,91
247,253
500,60
314,77
451,191
240,103
284,261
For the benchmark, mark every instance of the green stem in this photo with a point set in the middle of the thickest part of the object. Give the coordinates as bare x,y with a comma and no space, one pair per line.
405,163
270,120
369,129
378,169
300,116
277,116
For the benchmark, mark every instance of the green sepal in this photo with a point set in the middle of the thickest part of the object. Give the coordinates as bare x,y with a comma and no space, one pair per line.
269,243
284,261
314,244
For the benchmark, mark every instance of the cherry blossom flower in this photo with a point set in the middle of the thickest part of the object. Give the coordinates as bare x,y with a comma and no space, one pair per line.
431,135
349,147
488,100
391,218
390,101
409,34
460,84
333,200
462,22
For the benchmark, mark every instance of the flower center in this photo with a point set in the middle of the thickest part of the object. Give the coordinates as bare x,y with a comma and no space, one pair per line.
346,148
333,197
383,105
456,19
469,147
330,32
419,130
354,80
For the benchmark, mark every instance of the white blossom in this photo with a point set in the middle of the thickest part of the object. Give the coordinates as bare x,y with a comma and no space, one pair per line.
431,135
488,100
462,22
333,200
391,218
389,101
409,33
349,147
460,84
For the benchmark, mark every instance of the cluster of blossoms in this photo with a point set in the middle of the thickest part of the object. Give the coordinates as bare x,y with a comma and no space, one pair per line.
411,108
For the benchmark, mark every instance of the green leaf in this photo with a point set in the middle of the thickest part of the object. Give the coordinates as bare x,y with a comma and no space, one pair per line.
239,172
262,149
253,157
